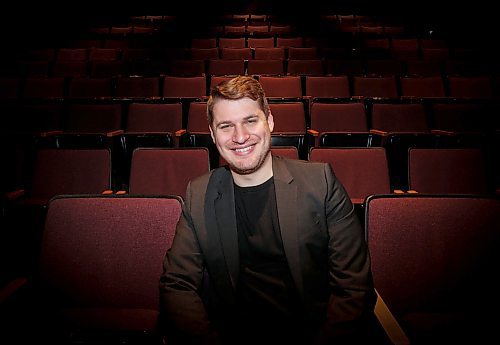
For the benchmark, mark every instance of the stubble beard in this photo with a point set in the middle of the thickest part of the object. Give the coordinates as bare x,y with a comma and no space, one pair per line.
260,162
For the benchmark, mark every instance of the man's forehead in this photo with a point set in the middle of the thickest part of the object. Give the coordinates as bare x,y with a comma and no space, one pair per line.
237,108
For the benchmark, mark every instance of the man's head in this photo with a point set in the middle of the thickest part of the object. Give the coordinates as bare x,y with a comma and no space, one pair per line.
241,124
234,89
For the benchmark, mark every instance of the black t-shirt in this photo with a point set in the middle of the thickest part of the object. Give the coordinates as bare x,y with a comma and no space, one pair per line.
267,297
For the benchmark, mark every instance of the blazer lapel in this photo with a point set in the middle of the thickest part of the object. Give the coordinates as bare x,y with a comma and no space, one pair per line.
286,200
225,217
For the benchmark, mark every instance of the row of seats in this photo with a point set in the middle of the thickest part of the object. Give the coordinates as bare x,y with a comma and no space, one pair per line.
156,171
426,263
341,86
291,115
270,61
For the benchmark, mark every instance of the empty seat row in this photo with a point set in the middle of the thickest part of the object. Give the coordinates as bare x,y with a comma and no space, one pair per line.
479,88
164,171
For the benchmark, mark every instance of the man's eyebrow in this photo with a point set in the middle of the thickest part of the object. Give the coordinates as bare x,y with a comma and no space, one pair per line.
246,118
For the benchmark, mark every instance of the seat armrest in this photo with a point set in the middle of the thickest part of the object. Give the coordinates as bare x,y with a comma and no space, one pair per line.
313,132
389,323
114,133
442,132
15,195
180,132
379,132
11,288
50,133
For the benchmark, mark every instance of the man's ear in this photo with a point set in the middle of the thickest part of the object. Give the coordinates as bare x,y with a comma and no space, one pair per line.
270,121
211,133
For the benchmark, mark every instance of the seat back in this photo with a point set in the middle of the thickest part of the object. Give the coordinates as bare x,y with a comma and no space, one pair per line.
362,171
433,260
166,171
103,256
66,171
447,171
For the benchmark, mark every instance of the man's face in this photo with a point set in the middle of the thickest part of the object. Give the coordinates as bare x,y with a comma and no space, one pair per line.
242,134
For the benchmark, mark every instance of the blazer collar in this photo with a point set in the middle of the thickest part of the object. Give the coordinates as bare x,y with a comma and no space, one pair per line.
225,219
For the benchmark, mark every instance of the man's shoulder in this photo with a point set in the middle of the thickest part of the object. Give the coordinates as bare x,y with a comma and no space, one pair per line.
299,164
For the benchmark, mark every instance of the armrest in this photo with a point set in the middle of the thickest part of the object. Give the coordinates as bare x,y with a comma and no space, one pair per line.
442,132
11,287
379,132
313,132
49,133
114,133
180,132
14,195
389,323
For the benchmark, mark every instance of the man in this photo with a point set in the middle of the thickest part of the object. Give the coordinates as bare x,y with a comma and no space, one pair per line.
267,250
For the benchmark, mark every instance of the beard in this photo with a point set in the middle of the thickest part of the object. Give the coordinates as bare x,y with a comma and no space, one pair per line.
246,170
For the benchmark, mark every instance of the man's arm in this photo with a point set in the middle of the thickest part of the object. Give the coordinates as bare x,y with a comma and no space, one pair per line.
183,314
352,297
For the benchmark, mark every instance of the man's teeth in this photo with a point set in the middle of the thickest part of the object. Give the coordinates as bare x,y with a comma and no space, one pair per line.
246,149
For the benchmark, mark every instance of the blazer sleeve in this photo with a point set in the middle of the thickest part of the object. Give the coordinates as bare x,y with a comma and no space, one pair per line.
183,317
352,297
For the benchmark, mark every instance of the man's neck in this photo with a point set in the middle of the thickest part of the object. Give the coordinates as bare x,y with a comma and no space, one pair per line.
260,176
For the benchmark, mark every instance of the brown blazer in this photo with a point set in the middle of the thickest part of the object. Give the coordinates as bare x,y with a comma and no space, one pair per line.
322,238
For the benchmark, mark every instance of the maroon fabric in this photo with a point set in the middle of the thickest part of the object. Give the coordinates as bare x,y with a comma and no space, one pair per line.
197,118
470,87
337,87
204,53
259,67
89,87
305,67
166,171
43,88
422,87
184,87
424,68
287,42
447,171
226,67
236,53
383,67
104,257
346,117
138,87
94,118
64,171
225,42
269,53
203,43
375,87
187,68
289,118
399,117
153,117
281,86
433,254
299,53
362,171
264,42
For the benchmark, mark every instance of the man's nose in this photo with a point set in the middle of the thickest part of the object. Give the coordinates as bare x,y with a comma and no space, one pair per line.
240,134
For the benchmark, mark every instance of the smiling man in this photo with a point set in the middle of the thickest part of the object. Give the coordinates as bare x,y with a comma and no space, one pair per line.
267,250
